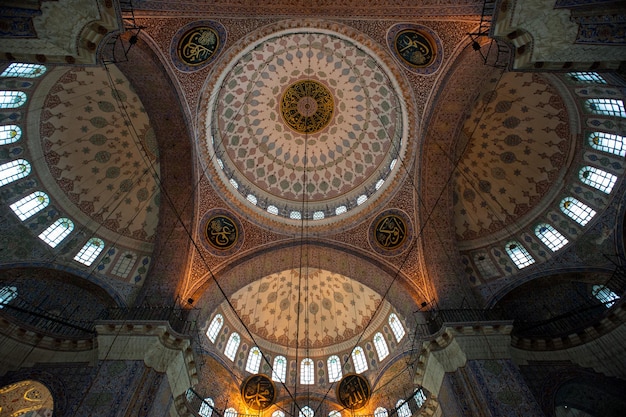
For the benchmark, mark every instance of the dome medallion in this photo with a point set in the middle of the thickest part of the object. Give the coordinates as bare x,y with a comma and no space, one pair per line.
304,115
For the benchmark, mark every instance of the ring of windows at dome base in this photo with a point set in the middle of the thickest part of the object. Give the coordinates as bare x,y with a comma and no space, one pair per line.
279,363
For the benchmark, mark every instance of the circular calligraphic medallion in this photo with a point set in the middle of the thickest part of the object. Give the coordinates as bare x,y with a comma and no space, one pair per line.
353,391
390,231
222,231
197,44
416,47
258,392
307,106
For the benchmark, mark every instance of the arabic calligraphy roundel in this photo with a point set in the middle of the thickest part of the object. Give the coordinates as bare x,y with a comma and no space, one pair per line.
222,231
258,392
197,44
389,232
353,392
416,47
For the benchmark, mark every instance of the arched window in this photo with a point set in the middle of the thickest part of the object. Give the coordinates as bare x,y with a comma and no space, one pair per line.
307,376
403,408
231,347
10,134
318,215
606,106
206,408
604,295
359,359
272,210
278,413
57,231
518,254
90,251
13,171
396,327
254,360
18,69
334,413
279,369
362,199
381,412
608,142
306,411
6,295
230,412
484,265
12,99
551,237
587,77
334,369
381,346
252,198
420,397
578,211
31,204
295,215
597,178
340,210
215,327
124,264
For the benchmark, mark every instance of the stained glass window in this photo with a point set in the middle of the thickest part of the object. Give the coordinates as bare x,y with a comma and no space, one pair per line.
12,99
307,376
334,369
340,210
31,204
396,327
254,360
18,69
519,255
551,237
272,210
6,295
90,251
587,77
206,408
57,231
578,211
420,397
608,142
215,327
381,346
124,264
306,411
230,412
318,215
359,359
597,178
362,199
231,347
403,408
252,198
604,295
485,266
381,412
606,106
295,215
10,134
13,171
279,369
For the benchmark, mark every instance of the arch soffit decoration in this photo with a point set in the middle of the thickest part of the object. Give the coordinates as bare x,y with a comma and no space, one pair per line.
164,103
321,254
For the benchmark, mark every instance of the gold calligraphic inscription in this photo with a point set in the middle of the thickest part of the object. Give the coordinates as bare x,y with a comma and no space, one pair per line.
353,392
258,392
221,232
390,231
413,47
307,106
198,45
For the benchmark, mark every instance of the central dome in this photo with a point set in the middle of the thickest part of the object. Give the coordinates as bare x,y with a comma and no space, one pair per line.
305,116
